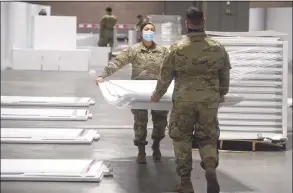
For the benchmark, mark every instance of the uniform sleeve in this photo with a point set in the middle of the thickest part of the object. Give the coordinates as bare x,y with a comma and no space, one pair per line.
102,25
166,74
122,59
224,75
115,20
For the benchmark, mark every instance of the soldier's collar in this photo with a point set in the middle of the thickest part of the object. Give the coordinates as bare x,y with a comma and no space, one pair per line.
197,35
152,48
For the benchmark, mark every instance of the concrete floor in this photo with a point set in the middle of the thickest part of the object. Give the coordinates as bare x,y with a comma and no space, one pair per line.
259,172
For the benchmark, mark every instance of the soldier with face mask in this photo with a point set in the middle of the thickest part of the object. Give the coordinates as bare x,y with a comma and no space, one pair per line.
200,67
146,58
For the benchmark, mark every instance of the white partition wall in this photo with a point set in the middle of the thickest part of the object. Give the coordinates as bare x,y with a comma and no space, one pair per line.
16,23
54,32
51,60
4,36
257,18
33,10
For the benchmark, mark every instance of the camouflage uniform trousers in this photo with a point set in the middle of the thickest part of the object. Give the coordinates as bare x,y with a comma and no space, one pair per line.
159,119
104,41
185,117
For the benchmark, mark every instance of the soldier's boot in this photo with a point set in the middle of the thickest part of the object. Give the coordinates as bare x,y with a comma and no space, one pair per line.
185,185
156,150
211,177
141,159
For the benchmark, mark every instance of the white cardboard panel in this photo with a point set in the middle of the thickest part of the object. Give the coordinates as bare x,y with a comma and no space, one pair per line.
99,57
74,60
52,170
49,135
47,101
51,60
54,32
26,59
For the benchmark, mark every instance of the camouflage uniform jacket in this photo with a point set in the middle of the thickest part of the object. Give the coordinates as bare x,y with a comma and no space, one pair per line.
145,62
107,26
200,67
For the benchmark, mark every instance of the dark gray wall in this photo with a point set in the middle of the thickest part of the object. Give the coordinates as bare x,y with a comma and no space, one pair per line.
178,8
218,20
91,12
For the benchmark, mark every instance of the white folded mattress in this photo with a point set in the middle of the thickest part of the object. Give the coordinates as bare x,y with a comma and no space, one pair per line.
135,94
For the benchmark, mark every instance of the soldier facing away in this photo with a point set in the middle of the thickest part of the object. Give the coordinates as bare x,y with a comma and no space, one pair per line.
200,67
146,58
106,32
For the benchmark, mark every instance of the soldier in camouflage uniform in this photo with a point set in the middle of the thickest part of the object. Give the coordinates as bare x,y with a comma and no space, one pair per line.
141,22
106,33
146,58
201,68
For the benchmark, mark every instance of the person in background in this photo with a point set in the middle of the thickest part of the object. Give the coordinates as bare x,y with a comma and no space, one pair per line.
141,21
200,67
43,12
146,58
106,32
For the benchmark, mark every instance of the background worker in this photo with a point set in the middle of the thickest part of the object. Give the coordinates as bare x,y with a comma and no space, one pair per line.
141,21
106,32
43,12
146,58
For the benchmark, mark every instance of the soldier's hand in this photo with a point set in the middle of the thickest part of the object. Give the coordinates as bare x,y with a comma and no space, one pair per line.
154,99
99,80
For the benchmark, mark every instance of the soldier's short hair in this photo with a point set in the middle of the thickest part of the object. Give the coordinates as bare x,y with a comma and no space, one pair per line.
109,9
139,16
194,16
144,24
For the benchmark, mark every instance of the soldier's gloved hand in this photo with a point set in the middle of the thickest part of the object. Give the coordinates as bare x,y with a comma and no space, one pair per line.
222,98
99,80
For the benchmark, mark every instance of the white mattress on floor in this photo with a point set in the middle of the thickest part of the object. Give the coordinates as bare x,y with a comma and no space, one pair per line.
49,135
52,170
136,94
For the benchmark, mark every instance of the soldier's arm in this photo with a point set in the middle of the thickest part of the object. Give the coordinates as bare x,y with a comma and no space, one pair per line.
102,25
224,75
115,20
166,74
122,59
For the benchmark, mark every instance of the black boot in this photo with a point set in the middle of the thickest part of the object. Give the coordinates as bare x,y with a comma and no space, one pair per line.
185,185
141,159
156,150
211,177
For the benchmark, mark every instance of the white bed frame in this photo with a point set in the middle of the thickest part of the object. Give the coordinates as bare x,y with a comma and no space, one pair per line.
47,101
49,135
53,170
45,114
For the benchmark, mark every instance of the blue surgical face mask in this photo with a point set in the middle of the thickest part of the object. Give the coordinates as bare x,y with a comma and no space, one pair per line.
148,35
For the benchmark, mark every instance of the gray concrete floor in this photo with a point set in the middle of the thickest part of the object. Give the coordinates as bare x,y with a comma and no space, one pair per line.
259,172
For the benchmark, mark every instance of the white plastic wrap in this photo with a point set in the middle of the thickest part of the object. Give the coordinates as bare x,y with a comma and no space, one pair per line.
131,94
